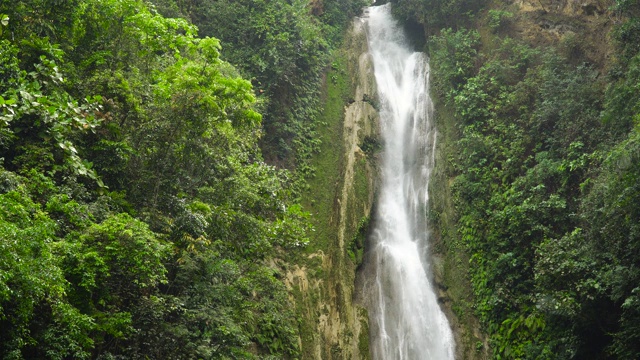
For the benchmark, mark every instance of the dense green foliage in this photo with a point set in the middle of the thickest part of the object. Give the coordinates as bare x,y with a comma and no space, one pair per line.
434,15
546,190
137,216
282,47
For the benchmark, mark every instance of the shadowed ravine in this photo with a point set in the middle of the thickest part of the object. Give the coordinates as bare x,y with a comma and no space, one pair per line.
406,321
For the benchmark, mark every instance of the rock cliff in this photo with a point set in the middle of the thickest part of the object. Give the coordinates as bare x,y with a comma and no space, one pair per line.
322,284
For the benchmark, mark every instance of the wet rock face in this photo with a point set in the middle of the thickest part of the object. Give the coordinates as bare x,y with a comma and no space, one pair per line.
340,326
544,23
566,7
345,326
592,9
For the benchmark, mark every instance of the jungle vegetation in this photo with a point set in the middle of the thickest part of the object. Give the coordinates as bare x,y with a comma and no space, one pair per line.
545,177
152,156
151,161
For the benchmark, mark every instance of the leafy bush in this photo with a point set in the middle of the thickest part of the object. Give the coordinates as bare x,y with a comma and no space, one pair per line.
525,174
453,55
498,19
33,288
169,257
434,15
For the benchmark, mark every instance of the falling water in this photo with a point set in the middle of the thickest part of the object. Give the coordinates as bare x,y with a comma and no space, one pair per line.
406,320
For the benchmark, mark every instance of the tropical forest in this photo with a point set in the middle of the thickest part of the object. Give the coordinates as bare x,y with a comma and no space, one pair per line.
210,179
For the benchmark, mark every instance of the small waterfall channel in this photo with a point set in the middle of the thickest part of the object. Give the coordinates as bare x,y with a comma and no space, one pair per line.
406,321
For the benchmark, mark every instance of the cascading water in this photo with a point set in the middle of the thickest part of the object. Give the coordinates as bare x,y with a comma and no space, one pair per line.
406,321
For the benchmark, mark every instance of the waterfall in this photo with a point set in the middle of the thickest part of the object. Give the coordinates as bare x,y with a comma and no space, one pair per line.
406,321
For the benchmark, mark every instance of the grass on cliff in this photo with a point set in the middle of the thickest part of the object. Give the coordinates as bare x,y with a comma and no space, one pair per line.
325,184
319,199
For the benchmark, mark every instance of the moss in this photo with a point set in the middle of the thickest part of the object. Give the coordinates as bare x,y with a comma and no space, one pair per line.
321,200
356,245
338,196
363,340
328,162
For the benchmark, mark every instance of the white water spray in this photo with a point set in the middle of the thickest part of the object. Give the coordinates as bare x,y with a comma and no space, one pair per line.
406,321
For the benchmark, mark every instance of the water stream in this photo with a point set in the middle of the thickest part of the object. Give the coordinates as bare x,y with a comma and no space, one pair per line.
406,321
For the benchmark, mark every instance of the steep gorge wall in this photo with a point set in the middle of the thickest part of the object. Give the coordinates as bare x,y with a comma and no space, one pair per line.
340,200
579,28
580,31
